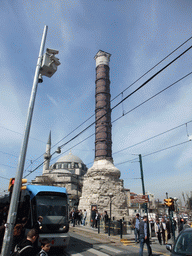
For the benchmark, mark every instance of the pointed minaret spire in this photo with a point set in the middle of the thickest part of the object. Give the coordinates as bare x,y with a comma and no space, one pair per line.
47,155
49,140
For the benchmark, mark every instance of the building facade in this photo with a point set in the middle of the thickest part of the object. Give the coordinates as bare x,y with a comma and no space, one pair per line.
68,171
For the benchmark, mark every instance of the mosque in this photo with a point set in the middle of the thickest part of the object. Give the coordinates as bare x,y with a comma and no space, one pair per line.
68,171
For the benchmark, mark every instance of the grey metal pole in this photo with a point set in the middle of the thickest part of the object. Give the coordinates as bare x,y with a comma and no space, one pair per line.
142,180
7,241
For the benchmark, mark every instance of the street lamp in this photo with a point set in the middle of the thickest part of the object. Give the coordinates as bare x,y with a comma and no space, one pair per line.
51,68
110,196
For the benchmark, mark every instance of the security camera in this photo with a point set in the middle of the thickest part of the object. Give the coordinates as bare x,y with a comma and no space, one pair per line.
40,79
52,51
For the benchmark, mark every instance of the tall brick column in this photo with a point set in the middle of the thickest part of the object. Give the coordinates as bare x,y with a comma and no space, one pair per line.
102,180
103,142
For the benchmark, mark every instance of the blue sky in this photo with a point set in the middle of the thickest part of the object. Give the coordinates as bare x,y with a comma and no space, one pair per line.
138,34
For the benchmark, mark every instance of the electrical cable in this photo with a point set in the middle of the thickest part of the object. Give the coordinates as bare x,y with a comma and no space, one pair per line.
147,81
4,178
137,107
21,134
151,138
152,68
125,114
160,150
121,92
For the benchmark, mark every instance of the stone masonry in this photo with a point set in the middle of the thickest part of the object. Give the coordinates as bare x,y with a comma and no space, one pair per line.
102,183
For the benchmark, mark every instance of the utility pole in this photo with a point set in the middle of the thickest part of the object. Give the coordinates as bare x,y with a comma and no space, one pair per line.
8,237
142,179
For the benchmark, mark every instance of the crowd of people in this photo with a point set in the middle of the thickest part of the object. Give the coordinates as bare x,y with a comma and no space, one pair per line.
25,245
79,217
163,229
28,246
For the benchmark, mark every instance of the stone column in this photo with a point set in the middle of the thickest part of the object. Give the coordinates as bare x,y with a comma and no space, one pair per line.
102,179
103,141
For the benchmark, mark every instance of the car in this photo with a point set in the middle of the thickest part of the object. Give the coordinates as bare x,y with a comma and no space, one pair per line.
183,244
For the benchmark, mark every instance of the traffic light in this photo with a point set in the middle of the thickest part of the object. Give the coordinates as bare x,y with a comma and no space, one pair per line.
23,181
170,203
11,183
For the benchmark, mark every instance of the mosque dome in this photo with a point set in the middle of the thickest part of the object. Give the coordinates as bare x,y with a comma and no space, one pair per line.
70,158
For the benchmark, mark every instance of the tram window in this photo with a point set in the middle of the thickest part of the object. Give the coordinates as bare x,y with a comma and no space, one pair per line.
51,205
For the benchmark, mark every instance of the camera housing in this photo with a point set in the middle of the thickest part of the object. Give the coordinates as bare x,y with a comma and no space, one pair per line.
52,51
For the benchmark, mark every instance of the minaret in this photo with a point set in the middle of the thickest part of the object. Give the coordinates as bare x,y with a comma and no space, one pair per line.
102,181
47,155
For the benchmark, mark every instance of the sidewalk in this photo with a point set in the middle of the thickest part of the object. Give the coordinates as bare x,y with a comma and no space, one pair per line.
104,237
127,240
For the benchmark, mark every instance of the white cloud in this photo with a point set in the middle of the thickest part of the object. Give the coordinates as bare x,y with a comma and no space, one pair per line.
53,101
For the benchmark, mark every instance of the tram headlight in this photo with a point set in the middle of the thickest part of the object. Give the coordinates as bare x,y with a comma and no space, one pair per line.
65,228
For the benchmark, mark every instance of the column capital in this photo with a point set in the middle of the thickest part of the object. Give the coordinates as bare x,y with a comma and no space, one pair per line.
102,58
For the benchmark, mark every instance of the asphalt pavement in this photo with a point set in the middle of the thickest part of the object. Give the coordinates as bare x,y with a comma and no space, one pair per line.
120,246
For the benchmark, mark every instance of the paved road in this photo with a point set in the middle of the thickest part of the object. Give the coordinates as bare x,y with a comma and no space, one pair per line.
87,242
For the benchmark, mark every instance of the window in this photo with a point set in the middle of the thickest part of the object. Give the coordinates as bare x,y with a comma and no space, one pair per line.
76,165
183,244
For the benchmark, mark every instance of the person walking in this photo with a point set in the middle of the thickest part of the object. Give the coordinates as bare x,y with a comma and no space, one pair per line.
97,219
144,236
158,231
106,219
181,225
84,217
73,217
38,225
93,214
164,230
136,222
26,246
45,247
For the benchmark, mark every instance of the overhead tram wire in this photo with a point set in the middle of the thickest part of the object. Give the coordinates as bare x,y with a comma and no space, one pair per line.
155,152
125,113
148,80
152,68
63,138
122,91
130,86
151,138
4,178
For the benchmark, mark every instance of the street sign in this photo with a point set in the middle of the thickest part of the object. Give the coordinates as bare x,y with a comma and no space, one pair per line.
139,199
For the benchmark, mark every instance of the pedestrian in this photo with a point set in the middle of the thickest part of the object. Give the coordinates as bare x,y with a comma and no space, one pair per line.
97,218
181,225
93,214
144,236
45,247
73,217
169,229
106,219
84,217
136,222
18,235
164,230
38,225
26,247
79,217
158,231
